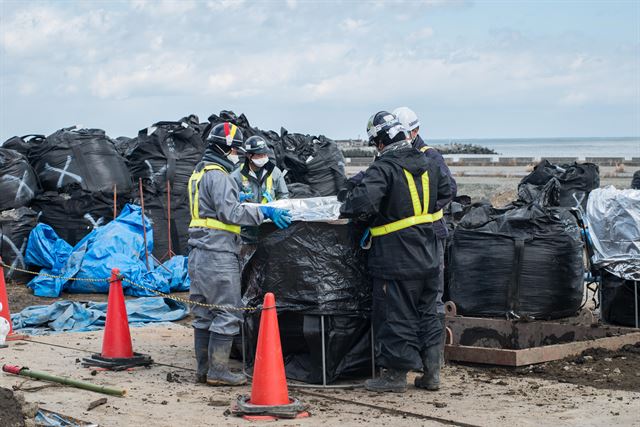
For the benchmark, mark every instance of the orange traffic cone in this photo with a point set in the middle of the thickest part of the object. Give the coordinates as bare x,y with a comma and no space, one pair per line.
117,351
269,392
4,307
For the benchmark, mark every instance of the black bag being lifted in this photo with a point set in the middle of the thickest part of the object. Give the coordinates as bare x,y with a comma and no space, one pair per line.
620,300
18,182
576,181
84,158
167,152
75,214
314,269
518,262
15,226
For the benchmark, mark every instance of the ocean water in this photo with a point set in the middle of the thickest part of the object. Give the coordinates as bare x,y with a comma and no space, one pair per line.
555,147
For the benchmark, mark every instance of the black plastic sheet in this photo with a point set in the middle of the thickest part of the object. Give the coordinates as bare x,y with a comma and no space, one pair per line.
84,158
311,267
517,261
73,215
18,182
15,226
620,300
576,181
347,342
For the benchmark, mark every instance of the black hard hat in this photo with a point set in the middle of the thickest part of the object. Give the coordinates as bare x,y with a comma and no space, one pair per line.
226,135
256,145
384,128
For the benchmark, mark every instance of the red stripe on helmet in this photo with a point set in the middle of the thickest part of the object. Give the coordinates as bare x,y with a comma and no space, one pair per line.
226,129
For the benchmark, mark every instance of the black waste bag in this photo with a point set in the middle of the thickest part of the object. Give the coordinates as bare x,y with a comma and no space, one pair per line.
156,211
313,269
18,182
347,340
23,144
125,145
75,214
576,181
620,300
271,137
316,161
84,158
167,152
518,262
15,226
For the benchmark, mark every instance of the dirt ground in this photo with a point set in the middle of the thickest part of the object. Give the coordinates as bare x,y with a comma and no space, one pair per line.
164,395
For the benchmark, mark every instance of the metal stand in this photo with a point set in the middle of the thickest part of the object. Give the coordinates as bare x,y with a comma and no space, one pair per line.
324,384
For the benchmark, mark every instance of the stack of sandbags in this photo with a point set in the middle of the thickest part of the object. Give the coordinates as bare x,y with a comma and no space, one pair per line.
79,170
167,152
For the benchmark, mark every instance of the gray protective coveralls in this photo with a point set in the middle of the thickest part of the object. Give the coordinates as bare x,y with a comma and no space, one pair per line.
214,267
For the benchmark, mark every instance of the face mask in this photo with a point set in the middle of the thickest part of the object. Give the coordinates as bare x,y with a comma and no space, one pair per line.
260,162
233,158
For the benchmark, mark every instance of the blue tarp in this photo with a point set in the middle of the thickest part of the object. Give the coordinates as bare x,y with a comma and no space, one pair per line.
75,316
119,244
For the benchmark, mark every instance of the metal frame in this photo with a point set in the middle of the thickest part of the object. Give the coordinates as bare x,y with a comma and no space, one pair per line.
324,384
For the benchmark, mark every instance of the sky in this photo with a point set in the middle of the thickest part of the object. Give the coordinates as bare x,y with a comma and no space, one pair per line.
470,69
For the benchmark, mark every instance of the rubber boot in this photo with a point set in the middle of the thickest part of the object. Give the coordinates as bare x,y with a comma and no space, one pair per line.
431,362
201,345
219,373
390,380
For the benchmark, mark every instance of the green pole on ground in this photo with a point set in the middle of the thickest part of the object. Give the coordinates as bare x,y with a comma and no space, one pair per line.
26,372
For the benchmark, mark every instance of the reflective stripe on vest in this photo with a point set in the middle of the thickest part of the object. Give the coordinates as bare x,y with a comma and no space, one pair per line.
425,148
245,181
420,211
196,221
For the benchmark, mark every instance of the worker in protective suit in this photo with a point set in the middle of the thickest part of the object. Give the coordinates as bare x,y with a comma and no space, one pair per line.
397,196
214,267
410,121
259,180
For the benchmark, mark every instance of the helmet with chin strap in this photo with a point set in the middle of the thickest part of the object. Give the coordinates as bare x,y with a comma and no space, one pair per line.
384,128
256,145
407,118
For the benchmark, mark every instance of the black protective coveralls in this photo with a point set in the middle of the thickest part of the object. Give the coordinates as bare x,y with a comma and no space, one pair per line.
404,263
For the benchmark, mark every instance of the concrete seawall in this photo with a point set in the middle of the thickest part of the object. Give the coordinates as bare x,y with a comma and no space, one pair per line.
478,160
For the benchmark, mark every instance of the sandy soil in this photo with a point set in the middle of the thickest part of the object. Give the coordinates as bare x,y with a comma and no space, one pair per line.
164,394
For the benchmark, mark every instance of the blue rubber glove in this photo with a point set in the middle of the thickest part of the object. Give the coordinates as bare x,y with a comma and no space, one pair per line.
267,196
280,217
245,196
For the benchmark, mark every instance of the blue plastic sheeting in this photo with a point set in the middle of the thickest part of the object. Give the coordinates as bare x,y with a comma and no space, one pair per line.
119,244
47,418
74,316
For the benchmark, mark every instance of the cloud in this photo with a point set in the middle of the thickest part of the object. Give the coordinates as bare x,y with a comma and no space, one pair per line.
354,25
421,34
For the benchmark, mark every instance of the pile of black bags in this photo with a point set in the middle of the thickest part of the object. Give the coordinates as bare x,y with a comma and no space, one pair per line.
521,261
167,153
79,171
314,164
576,181
315,269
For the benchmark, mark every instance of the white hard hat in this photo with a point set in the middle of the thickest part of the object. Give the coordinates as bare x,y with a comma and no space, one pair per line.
407,118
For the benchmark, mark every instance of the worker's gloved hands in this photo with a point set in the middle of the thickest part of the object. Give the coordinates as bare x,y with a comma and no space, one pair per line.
267,196
280,217
349,185
245,196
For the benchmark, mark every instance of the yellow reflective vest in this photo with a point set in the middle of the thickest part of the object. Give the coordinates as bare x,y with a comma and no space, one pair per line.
420,210
194,199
